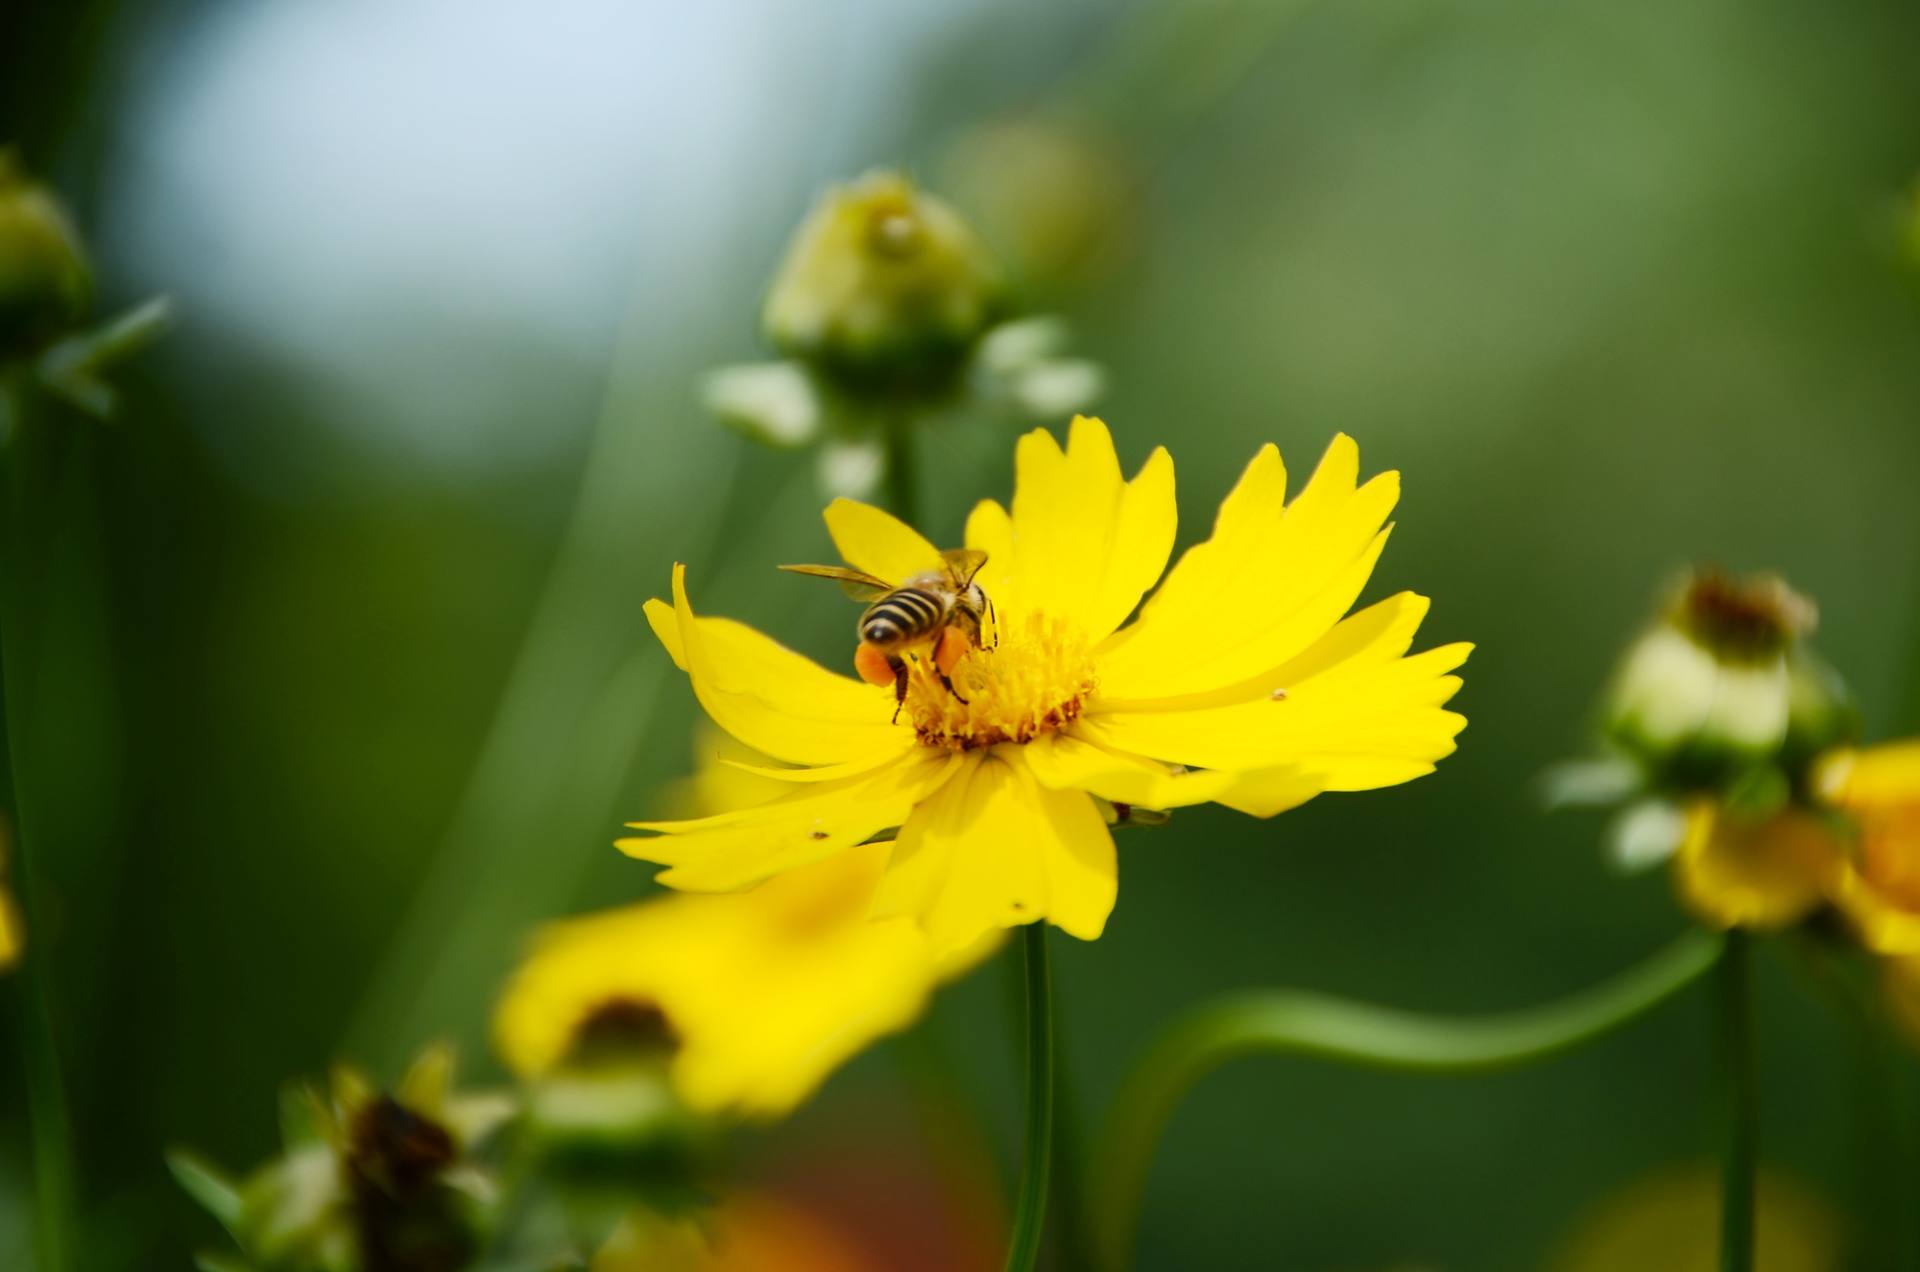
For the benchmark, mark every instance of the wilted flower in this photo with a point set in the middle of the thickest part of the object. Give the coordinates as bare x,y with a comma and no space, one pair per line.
44,279
369,1180
1239,682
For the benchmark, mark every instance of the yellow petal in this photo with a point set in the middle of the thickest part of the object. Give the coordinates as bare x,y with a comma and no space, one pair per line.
773,699
766,992
1349,709
1271,580
1767,873
735,849
1884,921
1063,761
665,622
1086,544
878,542
996,849
1874,777
990,529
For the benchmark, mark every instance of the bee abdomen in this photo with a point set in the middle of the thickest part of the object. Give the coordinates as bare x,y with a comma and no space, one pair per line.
900,616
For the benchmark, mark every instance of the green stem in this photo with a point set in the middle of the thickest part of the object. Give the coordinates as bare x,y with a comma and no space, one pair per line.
903,489
1739,1158
52,1153
1030,1216
1299,1022
46,1095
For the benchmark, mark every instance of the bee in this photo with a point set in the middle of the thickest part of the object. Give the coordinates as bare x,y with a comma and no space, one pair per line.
943,608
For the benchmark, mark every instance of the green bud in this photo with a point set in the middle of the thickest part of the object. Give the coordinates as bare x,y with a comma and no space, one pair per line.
613,1093
44,279
884,289
610,1128
367,1180
1705,694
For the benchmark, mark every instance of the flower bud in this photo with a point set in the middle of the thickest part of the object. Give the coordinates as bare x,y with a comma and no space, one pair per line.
44,279
369,1179
1708,693
883,289
1063,197
612,1091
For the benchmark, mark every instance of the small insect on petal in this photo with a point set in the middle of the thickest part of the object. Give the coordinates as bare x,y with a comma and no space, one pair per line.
1278,695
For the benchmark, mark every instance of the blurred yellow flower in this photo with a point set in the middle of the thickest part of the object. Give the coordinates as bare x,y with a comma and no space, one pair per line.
1767,871
1859,852
13,929
1878,788
1239,682
1668,1221
754,998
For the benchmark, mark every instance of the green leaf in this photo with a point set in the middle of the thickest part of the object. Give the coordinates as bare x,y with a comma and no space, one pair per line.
206,1184
220,1263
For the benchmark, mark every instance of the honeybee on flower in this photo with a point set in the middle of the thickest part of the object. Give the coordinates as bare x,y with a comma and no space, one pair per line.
1243,681
941,610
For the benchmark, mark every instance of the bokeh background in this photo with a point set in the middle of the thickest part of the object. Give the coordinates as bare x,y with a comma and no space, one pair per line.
352,679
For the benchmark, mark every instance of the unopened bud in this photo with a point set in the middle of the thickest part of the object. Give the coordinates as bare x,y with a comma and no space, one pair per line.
1707,692
884,287
44,279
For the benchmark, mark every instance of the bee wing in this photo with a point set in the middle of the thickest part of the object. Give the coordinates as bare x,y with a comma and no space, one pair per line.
963,564
858,584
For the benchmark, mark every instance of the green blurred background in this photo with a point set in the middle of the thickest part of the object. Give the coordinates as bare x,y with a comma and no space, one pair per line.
345,682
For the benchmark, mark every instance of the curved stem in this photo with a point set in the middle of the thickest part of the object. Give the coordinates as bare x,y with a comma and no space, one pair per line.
1300,1022
1030,1217
1739,1156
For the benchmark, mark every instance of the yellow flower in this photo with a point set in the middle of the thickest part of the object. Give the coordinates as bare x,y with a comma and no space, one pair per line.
1239,682
1667,1221
756,997
1879,790
1768,871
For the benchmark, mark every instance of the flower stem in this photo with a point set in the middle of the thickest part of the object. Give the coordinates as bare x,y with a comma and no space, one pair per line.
52,1154
1739,1157
1030,1216
1299,1022
903,490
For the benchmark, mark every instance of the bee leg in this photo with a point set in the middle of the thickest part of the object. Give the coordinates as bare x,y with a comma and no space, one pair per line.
947,653
899,684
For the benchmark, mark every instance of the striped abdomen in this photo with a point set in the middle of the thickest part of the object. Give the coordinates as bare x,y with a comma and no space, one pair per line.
903,616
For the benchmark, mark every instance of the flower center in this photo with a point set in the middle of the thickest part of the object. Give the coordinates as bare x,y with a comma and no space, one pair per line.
1033,680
